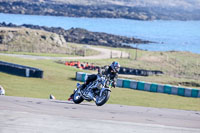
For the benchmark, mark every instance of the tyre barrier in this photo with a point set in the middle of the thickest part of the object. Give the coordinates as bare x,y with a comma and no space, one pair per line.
81,76
20,70
151,87
84,65
123,70
140,72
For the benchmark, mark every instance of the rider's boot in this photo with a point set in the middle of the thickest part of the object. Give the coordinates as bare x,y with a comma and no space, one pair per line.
71,97
83,86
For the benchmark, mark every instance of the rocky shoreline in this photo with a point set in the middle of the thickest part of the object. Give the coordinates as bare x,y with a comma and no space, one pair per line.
83,36
126,10
33,8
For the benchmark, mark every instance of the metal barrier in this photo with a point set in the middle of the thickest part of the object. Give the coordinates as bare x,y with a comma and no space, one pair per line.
20,70
151,87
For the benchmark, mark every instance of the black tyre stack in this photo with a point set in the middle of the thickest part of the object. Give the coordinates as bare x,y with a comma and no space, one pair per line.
20,70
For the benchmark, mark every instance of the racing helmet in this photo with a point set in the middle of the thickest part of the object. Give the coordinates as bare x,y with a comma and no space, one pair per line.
115,66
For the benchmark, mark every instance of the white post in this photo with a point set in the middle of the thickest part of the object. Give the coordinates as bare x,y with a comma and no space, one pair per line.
27,72
2,91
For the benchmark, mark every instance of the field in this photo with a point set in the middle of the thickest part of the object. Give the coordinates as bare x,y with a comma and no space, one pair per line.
73,47
180,68
59,79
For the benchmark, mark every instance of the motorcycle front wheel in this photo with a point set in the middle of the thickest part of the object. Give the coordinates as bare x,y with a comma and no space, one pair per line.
77,98
101,100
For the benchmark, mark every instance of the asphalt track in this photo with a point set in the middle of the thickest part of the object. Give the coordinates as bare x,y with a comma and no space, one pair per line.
31,115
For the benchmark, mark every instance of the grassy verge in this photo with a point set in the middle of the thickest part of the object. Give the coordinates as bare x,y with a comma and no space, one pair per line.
88,51
73,46
180,68
39,54
59,81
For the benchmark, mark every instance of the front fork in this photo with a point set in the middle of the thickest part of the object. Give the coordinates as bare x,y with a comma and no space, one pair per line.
103,89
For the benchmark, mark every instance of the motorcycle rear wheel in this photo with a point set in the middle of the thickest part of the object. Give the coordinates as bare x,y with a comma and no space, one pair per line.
103,99
77,98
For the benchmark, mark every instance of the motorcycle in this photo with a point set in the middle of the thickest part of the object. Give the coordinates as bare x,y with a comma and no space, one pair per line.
97,91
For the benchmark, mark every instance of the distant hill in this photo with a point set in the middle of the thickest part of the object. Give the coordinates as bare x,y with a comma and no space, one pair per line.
129,9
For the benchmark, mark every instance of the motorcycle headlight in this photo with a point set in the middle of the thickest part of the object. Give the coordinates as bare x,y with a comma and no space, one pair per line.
99,86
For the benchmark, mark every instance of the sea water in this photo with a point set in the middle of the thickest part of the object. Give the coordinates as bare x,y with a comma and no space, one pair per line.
170,35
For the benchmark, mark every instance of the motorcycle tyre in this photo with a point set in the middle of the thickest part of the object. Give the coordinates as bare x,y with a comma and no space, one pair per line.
104,100
79,100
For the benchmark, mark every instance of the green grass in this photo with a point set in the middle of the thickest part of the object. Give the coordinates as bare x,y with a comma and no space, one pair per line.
39,54
59,81
149,99
73,46
57,78
88,51
180,68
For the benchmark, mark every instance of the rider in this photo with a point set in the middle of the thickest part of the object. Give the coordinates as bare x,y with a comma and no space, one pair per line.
110,71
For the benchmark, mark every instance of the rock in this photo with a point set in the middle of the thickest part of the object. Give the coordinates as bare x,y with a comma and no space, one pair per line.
2,91
1,38
43,37
83,36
